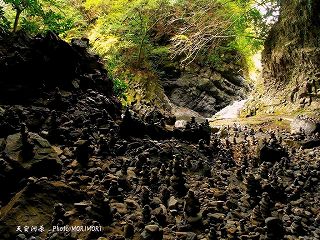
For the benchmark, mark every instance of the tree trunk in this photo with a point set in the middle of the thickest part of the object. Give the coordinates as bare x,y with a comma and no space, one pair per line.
16,20
140,49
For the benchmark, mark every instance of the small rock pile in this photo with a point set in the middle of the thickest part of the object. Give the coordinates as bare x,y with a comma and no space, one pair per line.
70,160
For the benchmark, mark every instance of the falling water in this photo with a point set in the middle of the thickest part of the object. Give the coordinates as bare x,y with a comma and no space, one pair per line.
231,111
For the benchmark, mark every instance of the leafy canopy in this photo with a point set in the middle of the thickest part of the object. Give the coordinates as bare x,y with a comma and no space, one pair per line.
37,15
136,36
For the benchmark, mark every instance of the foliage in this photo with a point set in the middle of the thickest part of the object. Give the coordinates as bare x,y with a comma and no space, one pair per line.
4,22
120,87
40,15
136,36
122,32
125,26
207,28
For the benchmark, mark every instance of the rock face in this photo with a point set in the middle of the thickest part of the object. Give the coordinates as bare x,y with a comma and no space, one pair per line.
205,90
291,56
45,161
46,62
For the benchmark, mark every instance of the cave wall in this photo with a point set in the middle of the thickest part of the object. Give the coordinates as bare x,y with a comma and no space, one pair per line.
291,58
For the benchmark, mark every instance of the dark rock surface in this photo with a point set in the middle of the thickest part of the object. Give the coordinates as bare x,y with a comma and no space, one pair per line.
47,62
138,179
44,162
272,153
205,90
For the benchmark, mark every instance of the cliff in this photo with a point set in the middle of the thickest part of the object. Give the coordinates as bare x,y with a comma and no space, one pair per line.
291,59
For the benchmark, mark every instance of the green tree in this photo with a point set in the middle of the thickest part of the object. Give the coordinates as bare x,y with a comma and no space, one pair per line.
126,26
31,6
36,16
4,22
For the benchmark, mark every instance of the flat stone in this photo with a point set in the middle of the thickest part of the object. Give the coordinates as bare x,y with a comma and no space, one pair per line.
120,207
186,235
152,228
172,203
45,161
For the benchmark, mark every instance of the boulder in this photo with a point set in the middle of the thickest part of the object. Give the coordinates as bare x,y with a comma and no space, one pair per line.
34,206
180,124
34,64
45,161
205,91
152,232
305,125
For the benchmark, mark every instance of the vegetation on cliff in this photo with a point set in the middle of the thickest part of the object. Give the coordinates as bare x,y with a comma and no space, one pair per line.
141,35
291,60
144,41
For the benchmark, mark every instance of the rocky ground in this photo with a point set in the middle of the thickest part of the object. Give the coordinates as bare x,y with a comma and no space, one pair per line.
68,158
